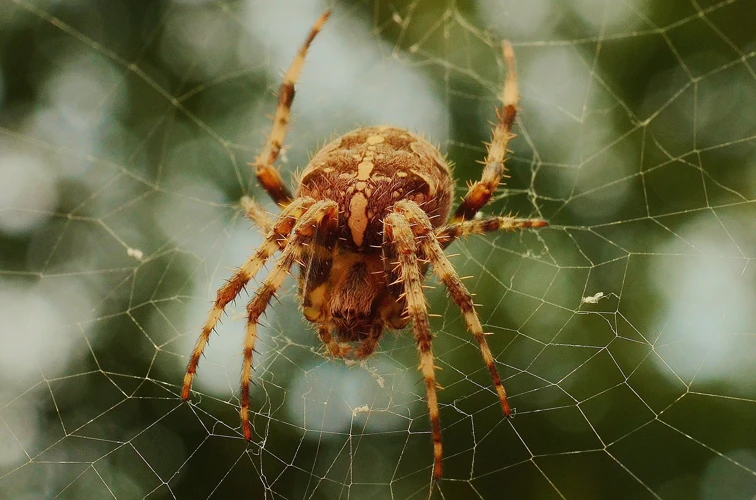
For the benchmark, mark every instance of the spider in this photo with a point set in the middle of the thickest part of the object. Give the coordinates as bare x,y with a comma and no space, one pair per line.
368,218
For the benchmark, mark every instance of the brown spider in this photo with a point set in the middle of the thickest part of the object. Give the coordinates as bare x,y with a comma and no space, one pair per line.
367,219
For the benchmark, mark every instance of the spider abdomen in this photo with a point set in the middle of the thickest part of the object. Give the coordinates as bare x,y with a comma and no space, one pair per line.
366,171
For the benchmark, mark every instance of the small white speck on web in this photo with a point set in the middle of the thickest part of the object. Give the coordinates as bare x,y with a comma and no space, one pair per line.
360,409
593,299
335,395
134,252
378,379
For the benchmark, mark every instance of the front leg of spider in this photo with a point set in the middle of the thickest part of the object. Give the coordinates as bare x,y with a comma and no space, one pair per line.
267,175
320,217
430,247
274,241
399,241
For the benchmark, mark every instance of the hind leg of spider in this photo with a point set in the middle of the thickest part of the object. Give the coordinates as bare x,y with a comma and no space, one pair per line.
447,234
398,234
320,214
273,241
267,175
481,191
431,249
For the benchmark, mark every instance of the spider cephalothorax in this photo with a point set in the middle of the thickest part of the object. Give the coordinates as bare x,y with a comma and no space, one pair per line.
369,217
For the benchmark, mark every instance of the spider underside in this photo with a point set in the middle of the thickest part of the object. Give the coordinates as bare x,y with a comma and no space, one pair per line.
367,220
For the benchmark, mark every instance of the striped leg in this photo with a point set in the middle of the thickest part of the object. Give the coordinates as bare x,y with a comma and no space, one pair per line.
267,174
273,241
302,233
256,214
431,249
399,236
450,232
482,191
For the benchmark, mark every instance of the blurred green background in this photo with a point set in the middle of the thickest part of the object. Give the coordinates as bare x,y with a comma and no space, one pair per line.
625,332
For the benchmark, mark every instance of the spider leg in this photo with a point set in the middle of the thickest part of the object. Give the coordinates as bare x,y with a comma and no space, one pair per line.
319,213
273,241
256,214
450,232
399,236
314,284
267,175
431,249
481,191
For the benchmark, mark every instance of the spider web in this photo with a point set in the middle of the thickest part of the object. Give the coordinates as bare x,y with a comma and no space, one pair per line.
625,332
